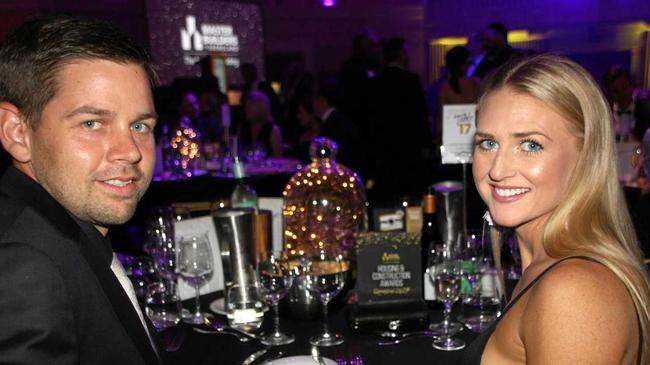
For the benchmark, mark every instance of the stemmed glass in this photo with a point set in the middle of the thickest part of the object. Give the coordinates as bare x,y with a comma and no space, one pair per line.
276,280
325,277
476,264
446,273
195,265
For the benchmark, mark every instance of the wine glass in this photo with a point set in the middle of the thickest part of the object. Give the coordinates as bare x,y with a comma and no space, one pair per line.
195,265
276,280
477,263
446,273
325,277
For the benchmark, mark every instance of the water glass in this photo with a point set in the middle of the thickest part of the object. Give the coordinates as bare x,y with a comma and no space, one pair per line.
325,277
446,273
276,279
478,268
162,305
195,264
245,306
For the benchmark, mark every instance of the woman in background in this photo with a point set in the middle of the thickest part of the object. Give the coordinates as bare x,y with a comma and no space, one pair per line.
544,163
259,133
459,89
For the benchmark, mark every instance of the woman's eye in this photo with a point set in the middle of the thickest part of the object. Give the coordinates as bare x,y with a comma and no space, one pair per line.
487,144
531,146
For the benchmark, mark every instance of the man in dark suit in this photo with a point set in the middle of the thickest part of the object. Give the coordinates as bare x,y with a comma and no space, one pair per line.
337,127
77,118
630,104
402,137
496,48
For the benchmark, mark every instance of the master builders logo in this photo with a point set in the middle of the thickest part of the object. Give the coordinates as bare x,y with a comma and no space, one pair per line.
208,37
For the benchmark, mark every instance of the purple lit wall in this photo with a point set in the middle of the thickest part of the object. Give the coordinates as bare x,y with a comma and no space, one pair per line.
461,17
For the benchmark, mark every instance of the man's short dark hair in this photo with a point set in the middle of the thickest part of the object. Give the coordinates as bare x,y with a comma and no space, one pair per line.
393,49
33,54
500,29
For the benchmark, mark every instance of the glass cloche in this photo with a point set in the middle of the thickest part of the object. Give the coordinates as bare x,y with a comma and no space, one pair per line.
324,204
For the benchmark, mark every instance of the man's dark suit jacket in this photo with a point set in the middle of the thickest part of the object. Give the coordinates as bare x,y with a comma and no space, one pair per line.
494,60
641,115
345,133
60,302
401,135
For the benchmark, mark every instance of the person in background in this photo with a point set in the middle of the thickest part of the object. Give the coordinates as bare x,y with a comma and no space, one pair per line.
259,131
630,104
189,108
475,46
77,117
337,127
357,77
310,129
400,129
459,89
496,48
545,165
252,82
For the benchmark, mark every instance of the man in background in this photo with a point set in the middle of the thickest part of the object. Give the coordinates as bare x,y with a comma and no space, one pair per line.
496,49
402,137
337,127
630,104
77,118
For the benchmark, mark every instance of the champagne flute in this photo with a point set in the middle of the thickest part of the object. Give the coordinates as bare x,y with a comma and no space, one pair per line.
195,265
276,280
446,273
325,277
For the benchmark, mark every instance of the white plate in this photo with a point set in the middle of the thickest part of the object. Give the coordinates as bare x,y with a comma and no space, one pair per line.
298,360
218,306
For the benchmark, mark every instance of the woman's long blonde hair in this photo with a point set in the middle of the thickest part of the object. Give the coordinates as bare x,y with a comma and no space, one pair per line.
593,219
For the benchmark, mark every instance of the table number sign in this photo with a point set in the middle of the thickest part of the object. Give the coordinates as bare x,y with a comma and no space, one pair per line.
458,128
388,267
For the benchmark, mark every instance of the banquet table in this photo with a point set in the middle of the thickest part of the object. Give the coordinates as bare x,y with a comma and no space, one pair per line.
191,347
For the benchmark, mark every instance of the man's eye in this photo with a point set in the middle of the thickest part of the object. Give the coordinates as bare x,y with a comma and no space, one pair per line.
91,124
140,127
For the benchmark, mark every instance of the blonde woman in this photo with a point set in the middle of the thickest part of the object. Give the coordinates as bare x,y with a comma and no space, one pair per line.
544,163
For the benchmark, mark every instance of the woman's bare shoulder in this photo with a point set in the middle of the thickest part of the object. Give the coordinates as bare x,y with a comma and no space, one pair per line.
579,311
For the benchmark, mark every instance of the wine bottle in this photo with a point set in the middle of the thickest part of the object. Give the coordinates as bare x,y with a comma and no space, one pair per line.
430,234
243,196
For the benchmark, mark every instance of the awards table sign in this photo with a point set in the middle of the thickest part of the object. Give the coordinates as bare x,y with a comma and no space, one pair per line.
458,128
389,281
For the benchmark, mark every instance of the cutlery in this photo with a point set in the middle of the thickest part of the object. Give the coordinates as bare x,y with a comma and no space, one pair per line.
399,335
400,340
222,331
255,355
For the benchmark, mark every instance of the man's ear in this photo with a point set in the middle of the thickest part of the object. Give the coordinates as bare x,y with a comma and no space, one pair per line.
14,133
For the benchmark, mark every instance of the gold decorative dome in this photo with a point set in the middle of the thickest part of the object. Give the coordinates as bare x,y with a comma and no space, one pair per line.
324,204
